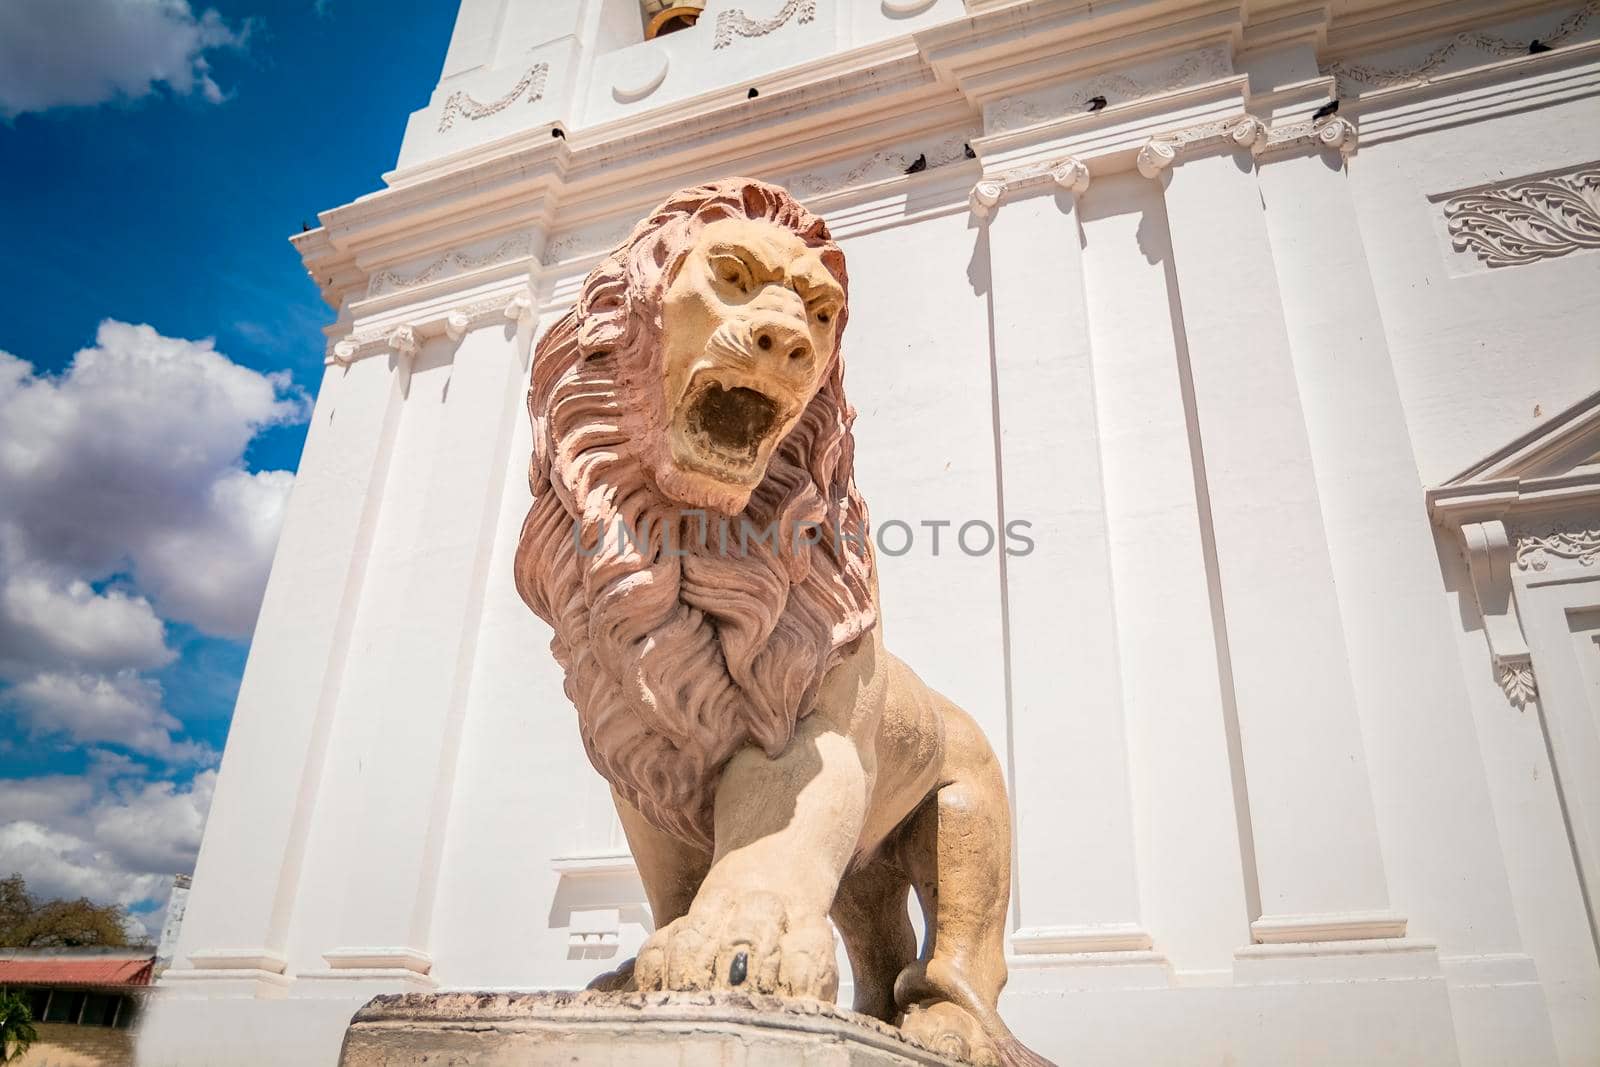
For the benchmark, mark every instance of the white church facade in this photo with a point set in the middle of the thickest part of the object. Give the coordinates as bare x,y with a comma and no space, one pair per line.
1298,688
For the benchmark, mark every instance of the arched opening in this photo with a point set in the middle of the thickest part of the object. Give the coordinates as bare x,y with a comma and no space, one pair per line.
662,17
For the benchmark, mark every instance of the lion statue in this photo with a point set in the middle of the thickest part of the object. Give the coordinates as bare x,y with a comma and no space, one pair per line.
699,547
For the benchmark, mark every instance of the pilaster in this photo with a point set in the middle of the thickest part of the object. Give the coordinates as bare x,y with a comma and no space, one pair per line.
1068,738
237,923
1318,858
408,681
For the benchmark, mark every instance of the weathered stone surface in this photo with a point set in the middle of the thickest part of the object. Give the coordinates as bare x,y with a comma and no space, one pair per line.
621,1030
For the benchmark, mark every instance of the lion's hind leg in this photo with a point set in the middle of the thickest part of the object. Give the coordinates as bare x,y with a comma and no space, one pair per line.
957,850
870,912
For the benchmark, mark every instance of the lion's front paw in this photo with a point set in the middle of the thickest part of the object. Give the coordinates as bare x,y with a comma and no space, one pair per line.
750,941
951,1031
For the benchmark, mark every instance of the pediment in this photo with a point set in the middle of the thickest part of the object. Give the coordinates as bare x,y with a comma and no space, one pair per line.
1554,466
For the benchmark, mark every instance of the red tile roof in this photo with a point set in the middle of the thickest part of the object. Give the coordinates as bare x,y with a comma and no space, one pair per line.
76,971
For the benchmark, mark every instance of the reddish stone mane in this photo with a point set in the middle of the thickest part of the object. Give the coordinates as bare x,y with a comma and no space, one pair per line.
676,661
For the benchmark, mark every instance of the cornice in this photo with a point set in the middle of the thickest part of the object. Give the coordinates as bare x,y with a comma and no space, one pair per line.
1503,87
1397,25
855,117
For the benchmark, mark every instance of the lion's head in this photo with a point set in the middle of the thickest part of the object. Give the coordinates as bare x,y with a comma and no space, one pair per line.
696,538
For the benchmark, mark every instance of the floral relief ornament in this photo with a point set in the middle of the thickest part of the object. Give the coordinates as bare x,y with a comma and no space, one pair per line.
1528,221
460,103
1535,551
1419,72
389,281
735,22
1516,680
1208,63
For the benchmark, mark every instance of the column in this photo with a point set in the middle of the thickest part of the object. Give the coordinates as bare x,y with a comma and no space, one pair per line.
418,638
1318,859
1077,889
236,923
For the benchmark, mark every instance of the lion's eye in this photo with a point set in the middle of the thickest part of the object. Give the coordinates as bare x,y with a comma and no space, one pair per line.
824,316
730,271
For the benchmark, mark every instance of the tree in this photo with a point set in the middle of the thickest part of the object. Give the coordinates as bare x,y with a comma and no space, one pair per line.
16,1027
26,922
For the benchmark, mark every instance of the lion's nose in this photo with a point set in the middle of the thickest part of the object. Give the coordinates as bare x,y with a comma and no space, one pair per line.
782,340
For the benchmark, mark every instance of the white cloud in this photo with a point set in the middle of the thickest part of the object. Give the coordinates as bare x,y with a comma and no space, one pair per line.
127,502
132,460
56,53
45,622
121,709
110,840
212,573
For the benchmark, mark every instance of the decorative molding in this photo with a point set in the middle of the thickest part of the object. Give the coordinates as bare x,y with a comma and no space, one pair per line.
267,983
1161,151
405,340
386,957
1517,682
1068,172
593,933
602,236
1341,926
986,196
1337,133
402,340
595,864
880,165
519,308
238,959
1489,559
1536,550
1054,940
647,76
1419,72
389,281
1134,83
1072,175
1528,221
460,103
903,8
735,22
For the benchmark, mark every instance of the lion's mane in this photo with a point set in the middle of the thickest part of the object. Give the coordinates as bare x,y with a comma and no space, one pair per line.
679,654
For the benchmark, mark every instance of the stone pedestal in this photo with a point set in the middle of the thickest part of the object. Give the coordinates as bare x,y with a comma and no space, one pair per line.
620,1030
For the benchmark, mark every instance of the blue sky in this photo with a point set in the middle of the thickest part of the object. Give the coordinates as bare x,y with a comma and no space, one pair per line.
159,348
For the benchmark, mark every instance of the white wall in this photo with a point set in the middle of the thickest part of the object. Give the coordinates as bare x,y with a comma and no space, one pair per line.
1272,805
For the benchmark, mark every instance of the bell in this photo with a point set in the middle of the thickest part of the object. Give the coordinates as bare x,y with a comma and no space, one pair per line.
667,16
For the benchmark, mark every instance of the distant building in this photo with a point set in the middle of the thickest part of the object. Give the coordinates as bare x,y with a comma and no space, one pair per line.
177,901
85,1001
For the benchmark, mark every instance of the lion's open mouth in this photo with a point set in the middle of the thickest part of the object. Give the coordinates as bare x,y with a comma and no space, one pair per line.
731,423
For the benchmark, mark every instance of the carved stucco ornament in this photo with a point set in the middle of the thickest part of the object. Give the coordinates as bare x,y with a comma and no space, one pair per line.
1526,221
453,262
1420,71
402,340
1337,133
461,103
1536,550
1489,555
1161,151
405,340
1070,173
735,23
